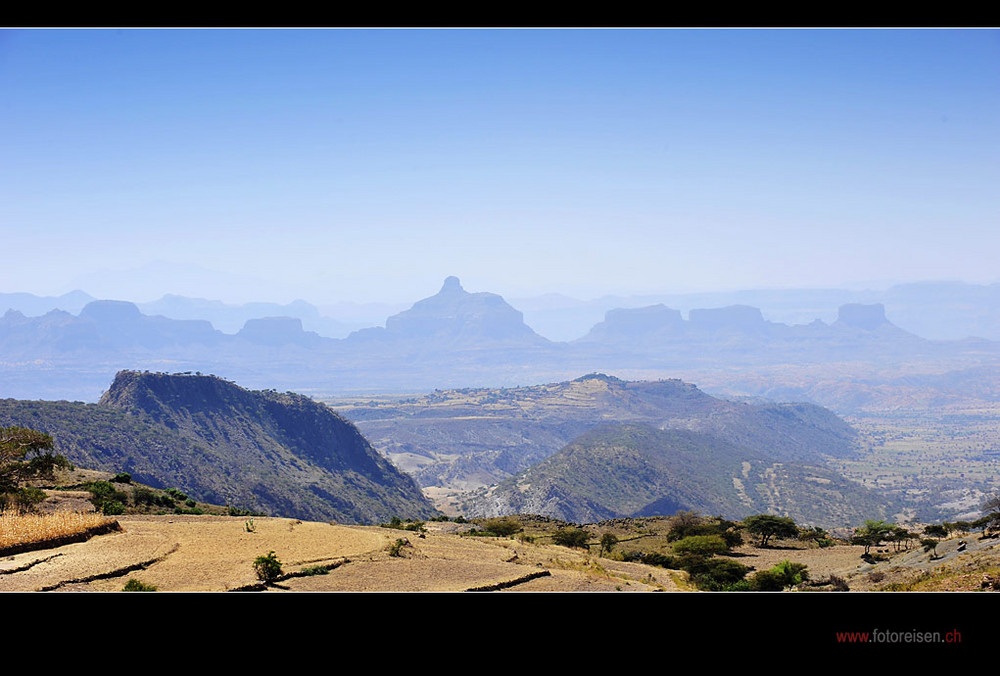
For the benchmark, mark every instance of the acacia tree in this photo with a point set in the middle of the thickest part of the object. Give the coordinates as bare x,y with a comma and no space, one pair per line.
25,454
872,534
936,530
769,526
898,535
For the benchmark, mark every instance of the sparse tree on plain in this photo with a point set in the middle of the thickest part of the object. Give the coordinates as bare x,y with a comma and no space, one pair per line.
769,526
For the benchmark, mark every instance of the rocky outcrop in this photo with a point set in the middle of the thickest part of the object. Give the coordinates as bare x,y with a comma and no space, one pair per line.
624,324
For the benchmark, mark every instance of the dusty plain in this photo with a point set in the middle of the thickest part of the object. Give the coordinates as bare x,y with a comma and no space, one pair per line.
205,553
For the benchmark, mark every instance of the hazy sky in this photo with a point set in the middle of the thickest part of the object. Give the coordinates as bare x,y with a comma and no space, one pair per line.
369,164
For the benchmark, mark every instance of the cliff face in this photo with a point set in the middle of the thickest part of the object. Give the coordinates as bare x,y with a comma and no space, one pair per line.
280,453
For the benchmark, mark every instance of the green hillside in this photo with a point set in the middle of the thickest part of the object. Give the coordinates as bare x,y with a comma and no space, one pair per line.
282,454
468,438
621,470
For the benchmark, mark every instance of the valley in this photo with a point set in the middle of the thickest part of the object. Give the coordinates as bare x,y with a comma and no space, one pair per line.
457,409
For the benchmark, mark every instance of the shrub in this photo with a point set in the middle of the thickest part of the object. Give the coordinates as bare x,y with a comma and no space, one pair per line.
24,499
785,574
268,568
503,527
608,542
144,496
652,559
398,524
193,510
112,508
571,537
396,548
716,574
839,583
135,585
122,478
106,497
315,570
701,545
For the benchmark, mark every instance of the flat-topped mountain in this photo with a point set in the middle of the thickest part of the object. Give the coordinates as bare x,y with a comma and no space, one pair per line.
866,317
283,454
453,339
277,331
231,318
102,327
738,335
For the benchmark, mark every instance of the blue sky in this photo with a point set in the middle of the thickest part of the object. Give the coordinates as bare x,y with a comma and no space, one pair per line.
367,165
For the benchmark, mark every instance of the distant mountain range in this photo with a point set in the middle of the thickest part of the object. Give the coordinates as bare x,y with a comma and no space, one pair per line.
452,339
281,454
933,310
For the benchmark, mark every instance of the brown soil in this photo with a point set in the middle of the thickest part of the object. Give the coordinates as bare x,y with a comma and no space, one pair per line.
212,553
950,570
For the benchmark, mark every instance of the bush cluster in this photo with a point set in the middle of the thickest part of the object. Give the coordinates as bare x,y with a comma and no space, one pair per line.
106,498
267,568
134,585
409,524
571,536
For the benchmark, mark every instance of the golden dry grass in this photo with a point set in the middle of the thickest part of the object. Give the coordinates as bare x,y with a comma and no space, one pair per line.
213,554
19,528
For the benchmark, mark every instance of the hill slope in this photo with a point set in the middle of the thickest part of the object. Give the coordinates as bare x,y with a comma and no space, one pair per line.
279,453
473,437
624,470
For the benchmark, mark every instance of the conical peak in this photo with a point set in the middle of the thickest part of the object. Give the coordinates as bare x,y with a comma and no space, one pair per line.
452,285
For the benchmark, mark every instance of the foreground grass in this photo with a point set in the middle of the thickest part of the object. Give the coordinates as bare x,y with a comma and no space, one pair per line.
18,529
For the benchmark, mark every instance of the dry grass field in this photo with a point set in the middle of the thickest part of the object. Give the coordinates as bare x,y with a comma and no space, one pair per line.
25,529
211,553
215,554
